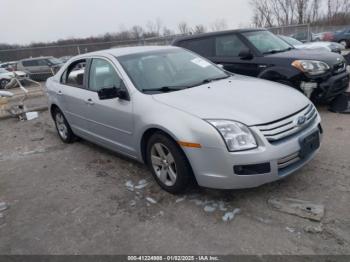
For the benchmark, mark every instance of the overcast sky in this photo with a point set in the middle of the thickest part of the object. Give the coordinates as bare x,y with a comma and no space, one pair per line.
29,21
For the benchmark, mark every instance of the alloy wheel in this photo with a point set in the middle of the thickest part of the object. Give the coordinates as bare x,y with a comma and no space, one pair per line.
164,164
61,126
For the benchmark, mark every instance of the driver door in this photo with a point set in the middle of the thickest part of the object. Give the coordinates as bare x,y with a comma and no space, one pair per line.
110,121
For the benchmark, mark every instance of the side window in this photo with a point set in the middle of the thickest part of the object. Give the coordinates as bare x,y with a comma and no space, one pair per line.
42,62
74,75
30,63
103,75
202,47
229,45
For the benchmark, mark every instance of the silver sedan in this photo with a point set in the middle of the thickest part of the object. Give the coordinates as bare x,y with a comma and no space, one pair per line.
189,120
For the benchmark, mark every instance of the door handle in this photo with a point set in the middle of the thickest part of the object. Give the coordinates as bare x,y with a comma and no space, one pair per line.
59,93
89,102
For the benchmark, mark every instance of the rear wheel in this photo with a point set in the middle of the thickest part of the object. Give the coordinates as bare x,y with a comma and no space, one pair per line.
169,164
63,129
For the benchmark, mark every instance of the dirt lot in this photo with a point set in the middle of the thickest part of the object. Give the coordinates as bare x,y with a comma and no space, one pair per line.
73,199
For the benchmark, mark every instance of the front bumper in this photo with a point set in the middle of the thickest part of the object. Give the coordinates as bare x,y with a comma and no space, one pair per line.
329,89
215,167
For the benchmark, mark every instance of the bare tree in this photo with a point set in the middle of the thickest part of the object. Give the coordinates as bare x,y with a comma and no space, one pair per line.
199,29
219,25
137,32
184,28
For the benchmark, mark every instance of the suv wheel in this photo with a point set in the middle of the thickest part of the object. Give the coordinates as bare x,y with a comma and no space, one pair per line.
168,164
63,129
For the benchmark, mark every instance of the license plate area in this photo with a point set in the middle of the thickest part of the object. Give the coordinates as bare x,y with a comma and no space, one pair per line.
309,144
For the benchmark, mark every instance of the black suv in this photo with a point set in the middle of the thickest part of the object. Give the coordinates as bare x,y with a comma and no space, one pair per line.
260,53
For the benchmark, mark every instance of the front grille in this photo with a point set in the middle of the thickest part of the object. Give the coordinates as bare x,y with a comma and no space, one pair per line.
288,160
285,127
339,68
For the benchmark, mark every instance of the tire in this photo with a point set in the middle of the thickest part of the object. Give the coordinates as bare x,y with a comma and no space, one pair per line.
63,129
168,164
344,43
3,83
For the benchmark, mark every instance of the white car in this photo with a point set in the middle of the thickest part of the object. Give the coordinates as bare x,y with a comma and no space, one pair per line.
6,76
186,118
322,46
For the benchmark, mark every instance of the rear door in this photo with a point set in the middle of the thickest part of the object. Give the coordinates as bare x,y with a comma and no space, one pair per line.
73,96
110,121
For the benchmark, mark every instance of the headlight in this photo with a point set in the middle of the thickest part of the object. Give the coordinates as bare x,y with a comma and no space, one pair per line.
311,67
236,135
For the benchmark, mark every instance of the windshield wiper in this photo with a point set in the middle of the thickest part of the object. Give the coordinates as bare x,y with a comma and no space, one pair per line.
165,89
209,80
275,51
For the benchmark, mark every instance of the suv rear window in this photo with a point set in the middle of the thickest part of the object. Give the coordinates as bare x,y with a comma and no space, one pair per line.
204,46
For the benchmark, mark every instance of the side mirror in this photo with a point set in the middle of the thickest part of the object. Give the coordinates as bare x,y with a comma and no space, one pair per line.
113,92
245,54
220,66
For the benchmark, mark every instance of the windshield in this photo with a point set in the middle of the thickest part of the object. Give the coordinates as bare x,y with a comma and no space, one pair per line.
266,42
290,40
54,61
173,70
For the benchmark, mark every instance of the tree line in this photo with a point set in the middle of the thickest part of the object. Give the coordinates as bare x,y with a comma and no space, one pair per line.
152,29
270,13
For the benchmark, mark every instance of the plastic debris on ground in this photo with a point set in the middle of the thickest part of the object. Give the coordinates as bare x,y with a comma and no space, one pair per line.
31,115
151,200
3,206
130,185
314,229
142,184
301,208
290,229
209,209
180,199
231,215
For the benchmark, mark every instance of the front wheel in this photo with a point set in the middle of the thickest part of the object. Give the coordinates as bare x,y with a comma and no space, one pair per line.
63,129
169,164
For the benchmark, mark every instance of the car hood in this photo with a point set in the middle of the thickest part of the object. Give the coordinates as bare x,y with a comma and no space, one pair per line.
329,45
244,99
11,74
302,54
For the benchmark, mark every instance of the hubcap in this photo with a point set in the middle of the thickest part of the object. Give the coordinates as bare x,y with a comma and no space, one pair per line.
163,164
61,126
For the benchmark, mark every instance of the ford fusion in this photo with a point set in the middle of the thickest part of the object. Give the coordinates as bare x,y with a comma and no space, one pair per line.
190,121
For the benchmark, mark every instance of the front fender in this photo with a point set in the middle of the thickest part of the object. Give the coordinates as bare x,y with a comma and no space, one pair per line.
277,73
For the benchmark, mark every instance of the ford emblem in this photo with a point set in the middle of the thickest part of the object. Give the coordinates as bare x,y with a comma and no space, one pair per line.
301,120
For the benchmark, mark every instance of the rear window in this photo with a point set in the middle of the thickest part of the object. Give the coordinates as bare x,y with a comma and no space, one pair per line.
204,46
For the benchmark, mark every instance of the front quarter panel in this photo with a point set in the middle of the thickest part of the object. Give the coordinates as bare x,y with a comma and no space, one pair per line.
180,125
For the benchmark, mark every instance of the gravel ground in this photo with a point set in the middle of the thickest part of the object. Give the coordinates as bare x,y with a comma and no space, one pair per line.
74,199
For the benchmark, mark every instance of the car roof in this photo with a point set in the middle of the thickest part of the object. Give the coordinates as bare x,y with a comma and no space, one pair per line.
122,51
36,58
237,31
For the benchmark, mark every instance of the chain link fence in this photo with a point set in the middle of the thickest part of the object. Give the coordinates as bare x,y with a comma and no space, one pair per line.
76,49
303,33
